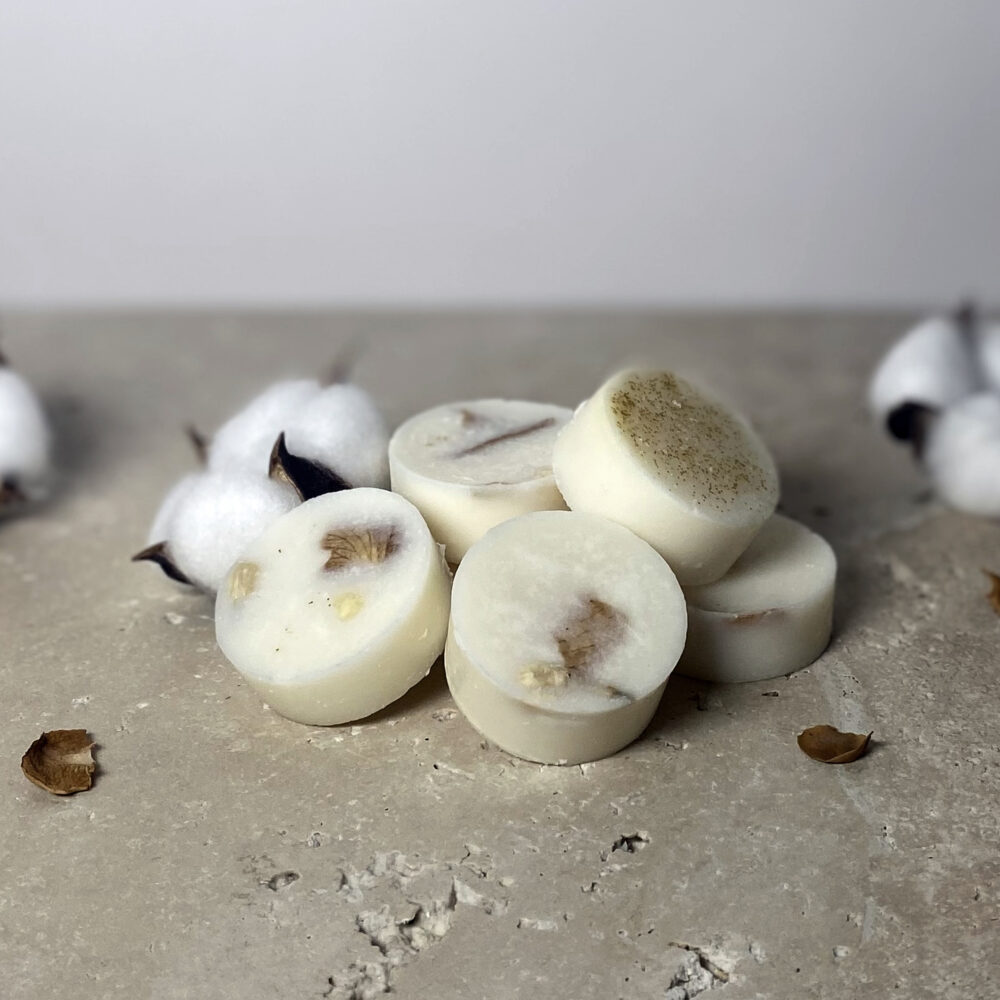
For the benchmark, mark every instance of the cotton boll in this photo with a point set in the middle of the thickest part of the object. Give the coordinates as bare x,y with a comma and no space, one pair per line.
245,441
342,429
934,365
164,519
989,354
214,516
962,455
24,435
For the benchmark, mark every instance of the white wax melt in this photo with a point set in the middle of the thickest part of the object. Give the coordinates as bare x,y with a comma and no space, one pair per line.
469,466
769,615
564,628
338,608
678,467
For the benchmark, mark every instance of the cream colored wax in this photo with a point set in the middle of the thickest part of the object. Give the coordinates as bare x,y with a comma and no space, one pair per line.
770,614
469,466
666,459
338,608
564,629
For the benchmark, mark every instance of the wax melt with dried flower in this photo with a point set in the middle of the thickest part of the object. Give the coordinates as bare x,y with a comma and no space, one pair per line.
338,608
564,629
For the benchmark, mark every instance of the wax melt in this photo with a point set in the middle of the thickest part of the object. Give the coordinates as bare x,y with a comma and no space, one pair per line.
672,463
469,466
770,614
338,608
564,629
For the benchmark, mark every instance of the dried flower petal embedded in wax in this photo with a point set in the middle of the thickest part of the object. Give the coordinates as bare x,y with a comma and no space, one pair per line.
830,746
60,761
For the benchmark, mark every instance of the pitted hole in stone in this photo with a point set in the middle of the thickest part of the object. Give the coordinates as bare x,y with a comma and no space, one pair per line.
629,843
369,546
282,880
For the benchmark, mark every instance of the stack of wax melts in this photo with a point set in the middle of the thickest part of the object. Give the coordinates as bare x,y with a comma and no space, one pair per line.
470,466
562,625
652,453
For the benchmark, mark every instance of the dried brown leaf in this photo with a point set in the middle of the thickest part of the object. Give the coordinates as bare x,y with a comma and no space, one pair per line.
830,746
60,761
994,595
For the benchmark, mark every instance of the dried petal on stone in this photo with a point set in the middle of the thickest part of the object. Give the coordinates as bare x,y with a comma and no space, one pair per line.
309,479
159,554
994,595
60,761
831,746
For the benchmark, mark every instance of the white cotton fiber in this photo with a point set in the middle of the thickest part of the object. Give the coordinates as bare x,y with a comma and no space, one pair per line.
24,432
341,428
164,519
933,364
245,441
215,516
989,354
962,455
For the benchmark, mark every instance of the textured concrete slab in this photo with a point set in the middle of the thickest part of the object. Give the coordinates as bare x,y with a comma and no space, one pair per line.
225,851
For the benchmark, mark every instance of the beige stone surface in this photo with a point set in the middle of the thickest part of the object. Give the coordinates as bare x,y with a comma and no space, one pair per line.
227,852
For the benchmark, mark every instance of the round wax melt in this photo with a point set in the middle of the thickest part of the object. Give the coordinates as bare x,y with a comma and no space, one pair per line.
338,608
663,457
469,466
772,613
564,628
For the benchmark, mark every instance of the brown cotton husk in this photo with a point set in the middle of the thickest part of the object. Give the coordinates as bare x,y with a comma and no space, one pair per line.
60,761
10,493
160,554
830,746
199,442
309,479
994,595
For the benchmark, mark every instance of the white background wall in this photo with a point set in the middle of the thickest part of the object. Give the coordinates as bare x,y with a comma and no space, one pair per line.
495,151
